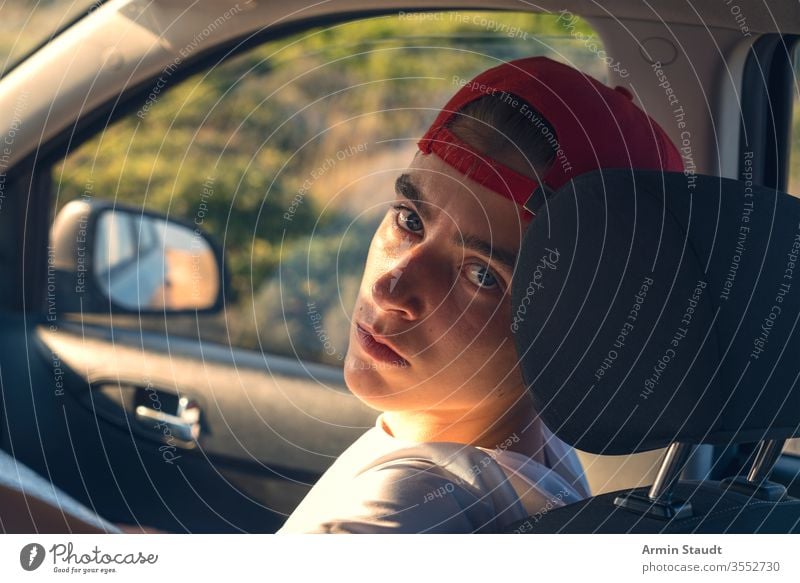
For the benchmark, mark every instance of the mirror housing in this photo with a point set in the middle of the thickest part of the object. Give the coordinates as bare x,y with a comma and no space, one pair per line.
110,257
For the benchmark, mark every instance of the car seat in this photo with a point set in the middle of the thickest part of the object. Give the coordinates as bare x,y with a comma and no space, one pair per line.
655,310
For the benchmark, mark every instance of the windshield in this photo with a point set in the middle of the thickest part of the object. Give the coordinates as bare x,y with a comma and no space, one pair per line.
26,24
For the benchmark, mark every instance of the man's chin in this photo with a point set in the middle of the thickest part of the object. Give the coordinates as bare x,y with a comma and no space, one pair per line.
366,380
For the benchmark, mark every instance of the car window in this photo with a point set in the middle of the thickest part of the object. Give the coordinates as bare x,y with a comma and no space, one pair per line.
27,23
288,154
793,445
794,153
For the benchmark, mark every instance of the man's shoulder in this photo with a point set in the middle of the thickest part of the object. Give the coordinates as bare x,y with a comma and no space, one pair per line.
382,485
461,466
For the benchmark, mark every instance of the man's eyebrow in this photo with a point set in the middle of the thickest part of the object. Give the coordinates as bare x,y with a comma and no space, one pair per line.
507,258
407,189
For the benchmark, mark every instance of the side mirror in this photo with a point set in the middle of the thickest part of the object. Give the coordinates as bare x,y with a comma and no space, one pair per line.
107,256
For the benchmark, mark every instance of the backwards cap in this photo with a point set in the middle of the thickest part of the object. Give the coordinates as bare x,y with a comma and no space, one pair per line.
596,127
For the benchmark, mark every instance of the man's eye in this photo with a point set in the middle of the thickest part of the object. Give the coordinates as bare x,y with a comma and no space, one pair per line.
482,276
407,219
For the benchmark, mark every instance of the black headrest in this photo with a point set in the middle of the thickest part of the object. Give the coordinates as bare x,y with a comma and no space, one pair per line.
653,307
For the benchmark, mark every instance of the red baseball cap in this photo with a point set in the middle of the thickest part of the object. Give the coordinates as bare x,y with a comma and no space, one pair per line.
596,127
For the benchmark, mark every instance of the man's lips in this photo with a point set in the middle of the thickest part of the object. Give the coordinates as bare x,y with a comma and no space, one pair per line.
378,348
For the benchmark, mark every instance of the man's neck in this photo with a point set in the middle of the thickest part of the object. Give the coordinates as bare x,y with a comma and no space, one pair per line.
517,430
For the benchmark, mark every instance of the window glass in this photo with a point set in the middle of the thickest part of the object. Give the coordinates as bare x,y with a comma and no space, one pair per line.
794,153
288,154
793,445
27,23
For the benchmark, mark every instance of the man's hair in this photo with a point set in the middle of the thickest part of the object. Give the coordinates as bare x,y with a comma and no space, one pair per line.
516,135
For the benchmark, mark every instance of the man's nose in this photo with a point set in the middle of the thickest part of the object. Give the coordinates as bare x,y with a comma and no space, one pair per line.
409,284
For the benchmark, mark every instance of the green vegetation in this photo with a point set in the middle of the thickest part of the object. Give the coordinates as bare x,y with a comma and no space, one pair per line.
317,126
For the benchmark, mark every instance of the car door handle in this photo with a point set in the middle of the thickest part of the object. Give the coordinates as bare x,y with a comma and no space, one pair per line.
183,425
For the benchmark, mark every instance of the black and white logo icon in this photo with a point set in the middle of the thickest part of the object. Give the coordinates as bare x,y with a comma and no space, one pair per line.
31,556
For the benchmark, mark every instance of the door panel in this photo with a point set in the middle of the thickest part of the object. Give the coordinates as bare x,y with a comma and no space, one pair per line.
265,437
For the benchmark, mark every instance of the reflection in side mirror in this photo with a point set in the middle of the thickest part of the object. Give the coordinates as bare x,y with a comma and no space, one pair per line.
143,262
107,256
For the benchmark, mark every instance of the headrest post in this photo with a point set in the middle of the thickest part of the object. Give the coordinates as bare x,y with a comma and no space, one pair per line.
659,502
767,454
671,466
757,484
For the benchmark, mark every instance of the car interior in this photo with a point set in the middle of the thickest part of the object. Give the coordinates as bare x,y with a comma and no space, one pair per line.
188,191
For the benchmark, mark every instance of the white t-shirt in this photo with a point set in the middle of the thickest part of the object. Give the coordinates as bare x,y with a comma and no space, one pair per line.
382,484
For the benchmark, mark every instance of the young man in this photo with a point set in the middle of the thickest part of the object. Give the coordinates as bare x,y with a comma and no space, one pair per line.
458,446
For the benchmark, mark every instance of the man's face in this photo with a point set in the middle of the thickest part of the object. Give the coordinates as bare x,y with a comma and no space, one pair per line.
436,290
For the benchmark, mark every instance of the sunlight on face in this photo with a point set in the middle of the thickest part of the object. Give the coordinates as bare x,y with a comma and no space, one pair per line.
436,290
